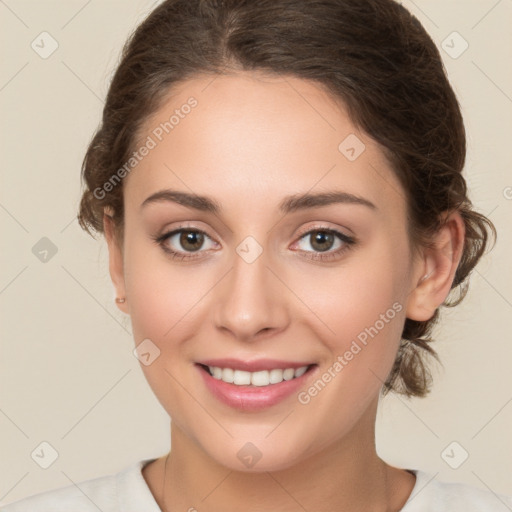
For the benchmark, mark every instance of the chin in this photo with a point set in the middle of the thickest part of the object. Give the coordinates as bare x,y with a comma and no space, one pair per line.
257,456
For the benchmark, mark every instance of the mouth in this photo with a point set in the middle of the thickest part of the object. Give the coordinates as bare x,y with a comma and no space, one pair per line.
254,386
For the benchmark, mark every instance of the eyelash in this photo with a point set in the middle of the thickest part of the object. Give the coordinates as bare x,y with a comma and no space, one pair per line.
348,242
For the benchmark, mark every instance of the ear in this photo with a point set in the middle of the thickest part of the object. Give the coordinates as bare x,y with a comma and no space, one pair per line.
436,269
115,256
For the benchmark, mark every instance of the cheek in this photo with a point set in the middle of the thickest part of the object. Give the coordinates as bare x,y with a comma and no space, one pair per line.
162,299
354,297
365,311
362,307
164,303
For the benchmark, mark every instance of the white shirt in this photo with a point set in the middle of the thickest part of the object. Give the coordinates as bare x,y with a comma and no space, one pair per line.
127,491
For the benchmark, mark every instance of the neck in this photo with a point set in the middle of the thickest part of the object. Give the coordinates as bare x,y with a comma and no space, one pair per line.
347,475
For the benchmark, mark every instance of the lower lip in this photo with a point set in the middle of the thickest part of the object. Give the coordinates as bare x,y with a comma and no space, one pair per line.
253,398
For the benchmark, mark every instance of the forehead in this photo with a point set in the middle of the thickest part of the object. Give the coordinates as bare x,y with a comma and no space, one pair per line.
250,139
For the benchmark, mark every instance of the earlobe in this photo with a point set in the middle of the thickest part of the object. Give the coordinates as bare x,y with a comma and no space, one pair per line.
438,266
115,262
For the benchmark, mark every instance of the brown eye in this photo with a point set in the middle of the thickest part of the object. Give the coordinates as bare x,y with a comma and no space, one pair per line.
182,243
191,240
321,240
324,244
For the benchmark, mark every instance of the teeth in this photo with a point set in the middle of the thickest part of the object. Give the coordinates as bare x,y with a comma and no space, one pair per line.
275,376
242,378
300,371
261,378
227,375
217,372
288,374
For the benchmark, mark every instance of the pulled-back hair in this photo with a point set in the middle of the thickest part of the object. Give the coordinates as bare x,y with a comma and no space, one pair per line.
373,55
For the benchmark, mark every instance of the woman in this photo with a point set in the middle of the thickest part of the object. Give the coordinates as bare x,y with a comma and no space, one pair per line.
279,184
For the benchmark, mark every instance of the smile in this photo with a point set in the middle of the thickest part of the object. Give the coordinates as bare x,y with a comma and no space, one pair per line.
254,386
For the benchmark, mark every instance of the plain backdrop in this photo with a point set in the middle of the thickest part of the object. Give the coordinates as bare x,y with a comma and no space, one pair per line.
68,376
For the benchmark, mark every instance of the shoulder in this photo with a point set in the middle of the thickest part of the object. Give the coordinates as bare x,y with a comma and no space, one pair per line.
430,494
107,493
89,495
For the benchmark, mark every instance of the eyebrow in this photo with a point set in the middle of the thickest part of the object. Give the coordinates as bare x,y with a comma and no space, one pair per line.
290,204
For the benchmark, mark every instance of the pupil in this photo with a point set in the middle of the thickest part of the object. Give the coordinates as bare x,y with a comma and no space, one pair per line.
322,237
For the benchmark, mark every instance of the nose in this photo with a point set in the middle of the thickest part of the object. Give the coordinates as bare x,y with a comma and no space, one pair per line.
251,301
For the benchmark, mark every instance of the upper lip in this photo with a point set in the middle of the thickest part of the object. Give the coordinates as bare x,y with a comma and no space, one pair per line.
253,366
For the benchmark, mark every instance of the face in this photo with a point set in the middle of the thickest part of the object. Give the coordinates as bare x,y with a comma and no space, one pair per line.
258,278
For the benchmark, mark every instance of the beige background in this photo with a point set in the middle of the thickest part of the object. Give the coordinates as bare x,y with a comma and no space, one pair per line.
68,375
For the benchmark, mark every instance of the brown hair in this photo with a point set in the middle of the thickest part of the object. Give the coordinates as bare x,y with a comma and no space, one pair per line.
373,55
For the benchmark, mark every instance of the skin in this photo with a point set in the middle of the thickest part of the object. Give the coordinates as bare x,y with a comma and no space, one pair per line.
251,141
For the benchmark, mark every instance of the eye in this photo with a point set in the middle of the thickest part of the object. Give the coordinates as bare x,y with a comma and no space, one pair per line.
179,243
326,243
